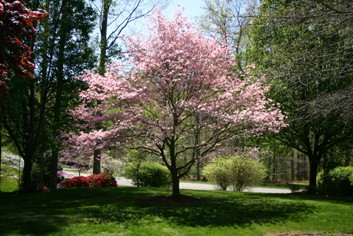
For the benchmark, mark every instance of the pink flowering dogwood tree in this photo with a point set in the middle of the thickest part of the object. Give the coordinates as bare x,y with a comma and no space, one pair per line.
180,85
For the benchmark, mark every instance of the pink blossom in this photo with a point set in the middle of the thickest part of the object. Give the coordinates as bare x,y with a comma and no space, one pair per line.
179,83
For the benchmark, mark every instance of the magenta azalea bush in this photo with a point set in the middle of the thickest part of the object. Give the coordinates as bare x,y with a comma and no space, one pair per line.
94,180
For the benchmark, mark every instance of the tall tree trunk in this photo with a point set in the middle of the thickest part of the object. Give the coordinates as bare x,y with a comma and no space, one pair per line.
26,182
97,154
30,145
58,99
103,36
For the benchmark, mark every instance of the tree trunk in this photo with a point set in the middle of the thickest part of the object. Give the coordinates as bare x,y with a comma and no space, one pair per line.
30,145
26,184
274,167
292,169
314,164
97,154
97,161
198,170
103,35
58,98
175,182
173,169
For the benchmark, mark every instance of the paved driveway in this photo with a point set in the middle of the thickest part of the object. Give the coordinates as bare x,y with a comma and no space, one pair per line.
185,185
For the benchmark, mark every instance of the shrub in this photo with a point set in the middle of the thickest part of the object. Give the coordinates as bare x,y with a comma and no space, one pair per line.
102,180
75,182
148,174
235,171
219,172
95,180
338,181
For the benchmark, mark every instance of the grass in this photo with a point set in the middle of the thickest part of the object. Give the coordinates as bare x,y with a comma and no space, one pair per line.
9,183
142,211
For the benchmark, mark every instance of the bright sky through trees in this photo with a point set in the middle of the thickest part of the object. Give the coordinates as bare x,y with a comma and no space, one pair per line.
193,8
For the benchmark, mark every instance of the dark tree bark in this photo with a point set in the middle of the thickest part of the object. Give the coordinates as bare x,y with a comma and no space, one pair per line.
63,34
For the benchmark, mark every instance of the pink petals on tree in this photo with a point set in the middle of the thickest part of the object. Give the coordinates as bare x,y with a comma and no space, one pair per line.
180,83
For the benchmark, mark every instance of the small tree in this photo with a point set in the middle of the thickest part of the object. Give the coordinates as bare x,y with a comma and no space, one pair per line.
181,84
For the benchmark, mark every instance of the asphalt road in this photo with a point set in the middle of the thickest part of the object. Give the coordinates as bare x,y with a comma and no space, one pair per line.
186,185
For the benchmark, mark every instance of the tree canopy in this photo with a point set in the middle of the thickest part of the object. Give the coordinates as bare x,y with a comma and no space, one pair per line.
181,83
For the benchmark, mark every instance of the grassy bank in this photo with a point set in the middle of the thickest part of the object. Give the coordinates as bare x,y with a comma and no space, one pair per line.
140,211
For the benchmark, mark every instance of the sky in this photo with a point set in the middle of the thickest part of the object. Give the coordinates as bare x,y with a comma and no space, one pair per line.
193,8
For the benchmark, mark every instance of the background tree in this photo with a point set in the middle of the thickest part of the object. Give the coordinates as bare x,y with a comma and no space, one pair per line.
305,48
231,19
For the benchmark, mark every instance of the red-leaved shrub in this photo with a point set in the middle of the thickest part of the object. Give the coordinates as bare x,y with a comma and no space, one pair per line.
75,182
95,180
102,180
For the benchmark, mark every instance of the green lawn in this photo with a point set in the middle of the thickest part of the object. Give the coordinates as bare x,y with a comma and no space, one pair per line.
8,184
8,181
144,211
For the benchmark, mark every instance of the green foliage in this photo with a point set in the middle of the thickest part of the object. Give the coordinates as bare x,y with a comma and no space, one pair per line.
338,181
314,41
148,174
235,171
219,172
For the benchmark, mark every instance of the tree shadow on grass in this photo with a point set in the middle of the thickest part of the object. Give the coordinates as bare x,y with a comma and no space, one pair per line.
204,211
42,213
25,214
45,213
